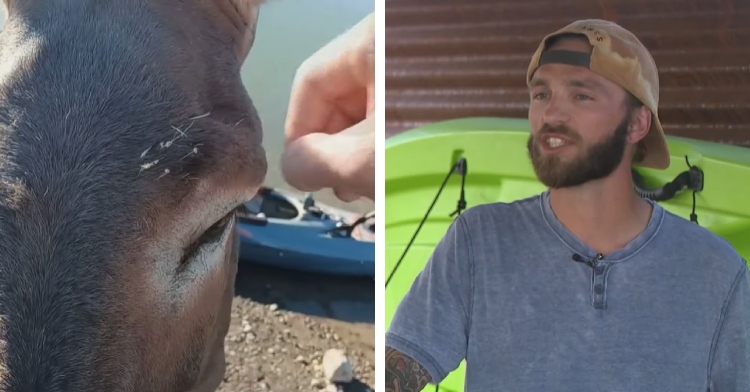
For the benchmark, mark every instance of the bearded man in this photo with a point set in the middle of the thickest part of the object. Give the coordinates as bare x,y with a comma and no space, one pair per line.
586,286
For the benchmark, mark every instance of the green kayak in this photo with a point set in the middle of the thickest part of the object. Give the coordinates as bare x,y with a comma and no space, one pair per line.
497,167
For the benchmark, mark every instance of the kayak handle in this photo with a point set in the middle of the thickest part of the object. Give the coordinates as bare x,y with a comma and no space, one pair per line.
253,220
349,229
691,179
245,216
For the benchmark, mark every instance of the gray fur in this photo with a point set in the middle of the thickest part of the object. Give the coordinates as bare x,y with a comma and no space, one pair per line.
110,80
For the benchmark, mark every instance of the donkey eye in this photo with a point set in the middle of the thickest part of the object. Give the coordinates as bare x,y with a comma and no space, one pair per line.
211,235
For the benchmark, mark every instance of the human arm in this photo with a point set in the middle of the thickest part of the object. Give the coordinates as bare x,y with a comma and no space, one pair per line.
330,126
730,363
430,328
403,373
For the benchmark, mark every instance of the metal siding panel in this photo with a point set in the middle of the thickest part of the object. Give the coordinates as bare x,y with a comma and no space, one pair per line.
459,58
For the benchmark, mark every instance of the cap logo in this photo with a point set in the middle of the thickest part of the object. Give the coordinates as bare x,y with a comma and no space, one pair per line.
597,34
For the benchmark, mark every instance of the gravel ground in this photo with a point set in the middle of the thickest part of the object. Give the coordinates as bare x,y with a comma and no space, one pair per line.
282,324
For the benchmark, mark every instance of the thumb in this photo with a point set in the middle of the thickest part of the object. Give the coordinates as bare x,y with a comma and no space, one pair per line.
343,161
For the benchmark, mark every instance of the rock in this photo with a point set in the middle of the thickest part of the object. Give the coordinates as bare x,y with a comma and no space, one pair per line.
317,383
334,388
273,307
337,367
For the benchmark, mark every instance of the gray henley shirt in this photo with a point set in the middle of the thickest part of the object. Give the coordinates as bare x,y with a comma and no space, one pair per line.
669,312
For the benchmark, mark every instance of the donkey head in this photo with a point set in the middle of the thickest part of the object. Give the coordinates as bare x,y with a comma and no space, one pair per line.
127,140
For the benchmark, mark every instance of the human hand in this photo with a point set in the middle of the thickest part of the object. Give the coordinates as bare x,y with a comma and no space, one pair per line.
330,126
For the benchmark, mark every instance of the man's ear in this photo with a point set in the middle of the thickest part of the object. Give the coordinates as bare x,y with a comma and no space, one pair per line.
640,124
243,16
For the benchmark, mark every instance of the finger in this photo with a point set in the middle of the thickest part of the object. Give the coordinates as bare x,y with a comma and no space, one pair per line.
310,112
319,96
345,195
305,163
333,73
327,116
342,161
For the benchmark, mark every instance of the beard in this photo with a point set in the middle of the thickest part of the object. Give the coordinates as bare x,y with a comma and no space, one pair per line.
593,163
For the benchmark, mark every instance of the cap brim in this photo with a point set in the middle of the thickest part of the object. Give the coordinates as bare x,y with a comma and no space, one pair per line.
657,149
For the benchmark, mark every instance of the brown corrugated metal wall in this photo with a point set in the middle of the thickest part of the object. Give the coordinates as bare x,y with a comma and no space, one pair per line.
457,58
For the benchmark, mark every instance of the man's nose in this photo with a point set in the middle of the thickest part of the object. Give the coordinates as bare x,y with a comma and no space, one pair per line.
557,111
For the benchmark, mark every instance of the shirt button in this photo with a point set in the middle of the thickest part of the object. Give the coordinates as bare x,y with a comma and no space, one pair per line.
599,269
599,289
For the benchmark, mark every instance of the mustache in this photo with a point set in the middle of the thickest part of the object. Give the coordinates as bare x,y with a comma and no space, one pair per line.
558,130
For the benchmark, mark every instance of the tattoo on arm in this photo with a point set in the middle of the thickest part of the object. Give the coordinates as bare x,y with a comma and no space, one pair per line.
403,374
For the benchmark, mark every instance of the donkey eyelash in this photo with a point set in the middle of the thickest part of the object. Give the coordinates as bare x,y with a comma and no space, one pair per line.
212,234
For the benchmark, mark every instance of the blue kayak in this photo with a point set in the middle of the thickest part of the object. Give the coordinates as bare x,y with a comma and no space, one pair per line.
279,230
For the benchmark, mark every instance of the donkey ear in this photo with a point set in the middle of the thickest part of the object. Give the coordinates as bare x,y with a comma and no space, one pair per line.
243,15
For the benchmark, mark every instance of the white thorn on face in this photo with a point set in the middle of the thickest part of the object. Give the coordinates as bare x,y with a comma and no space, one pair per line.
143,154
194,151
149,165
178,131
189,126
166,144
201,116
166,171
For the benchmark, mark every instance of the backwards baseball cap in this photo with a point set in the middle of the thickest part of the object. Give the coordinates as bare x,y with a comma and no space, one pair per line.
620,57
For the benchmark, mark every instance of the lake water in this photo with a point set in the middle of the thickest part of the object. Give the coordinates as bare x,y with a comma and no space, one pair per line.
288,32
